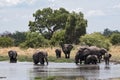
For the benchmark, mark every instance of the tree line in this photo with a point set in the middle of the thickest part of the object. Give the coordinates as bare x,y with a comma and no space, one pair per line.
52,27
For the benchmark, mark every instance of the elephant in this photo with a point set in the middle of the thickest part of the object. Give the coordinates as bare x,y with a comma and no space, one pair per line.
13,56
93,50
91,59
66,48
83,52
40,56
80,55
58,53
107,57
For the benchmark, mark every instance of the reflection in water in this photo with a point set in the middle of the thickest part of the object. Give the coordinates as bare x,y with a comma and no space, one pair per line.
88,72
107,67
58,71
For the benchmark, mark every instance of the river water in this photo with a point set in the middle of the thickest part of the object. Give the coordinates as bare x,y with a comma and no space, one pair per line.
64,71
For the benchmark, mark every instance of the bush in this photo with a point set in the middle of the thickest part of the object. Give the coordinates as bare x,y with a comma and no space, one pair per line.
57,37
95,39
34,40
115,38
6,42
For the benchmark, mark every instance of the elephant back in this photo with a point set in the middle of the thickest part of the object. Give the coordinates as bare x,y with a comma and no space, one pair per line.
43,54
58,50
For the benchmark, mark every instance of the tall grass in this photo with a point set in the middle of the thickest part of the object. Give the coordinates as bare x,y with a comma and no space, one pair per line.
26,54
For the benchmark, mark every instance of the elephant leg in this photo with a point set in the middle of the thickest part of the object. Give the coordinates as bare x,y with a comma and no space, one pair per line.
35,62
59,55
42,61
65,55
80,61
68,56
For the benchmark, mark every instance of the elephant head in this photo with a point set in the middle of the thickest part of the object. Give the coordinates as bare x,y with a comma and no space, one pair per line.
13,56
66,48
40,56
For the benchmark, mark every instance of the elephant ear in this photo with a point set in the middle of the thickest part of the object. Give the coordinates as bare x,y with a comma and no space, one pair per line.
103,51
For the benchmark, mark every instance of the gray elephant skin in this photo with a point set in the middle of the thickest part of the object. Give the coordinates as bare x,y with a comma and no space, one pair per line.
58,53
83,52
66,48
91,59
40,57
12,56
107,57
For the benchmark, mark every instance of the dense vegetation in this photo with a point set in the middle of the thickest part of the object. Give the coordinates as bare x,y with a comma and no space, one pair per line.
51,27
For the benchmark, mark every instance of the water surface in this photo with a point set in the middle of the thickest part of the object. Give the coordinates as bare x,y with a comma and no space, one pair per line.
66,71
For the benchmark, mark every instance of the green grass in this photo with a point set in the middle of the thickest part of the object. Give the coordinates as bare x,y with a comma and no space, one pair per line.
23,58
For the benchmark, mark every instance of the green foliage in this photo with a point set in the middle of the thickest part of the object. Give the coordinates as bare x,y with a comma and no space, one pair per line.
95,39
115,38
34,40
75,27
62,59
47,21
18,37
6,42
107,32
57,37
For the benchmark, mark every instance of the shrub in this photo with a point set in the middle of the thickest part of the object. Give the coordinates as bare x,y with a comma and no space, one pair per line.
6,42
57,37
34,40
115,38
95,39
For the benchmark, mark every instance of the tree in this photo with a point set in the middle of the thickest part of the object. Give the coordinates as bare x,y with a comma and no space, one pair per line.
107,32
75,27
18,37
47,21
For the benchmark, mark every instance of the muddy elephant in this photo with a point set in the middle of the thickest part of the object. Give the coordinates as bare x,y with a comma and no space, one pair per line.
66,48
83,52
12,56
40,57
93,50
81,55
91,59
58,53
107,57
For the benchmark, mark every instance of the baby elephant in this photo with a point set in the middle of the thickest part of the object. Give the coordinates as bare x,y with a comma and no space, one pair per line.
91,59
13,56
58,53
40,56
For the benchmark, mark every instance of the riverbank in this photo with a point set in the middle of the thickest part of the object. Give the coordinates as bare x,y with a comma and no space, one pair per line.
26,54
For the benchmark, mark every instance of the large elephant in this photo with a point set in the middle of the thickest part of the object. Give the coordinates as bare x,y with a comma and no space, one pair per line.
83,52
81,55
66,48
40,56
107,57
93,50
91,59
12,56
58,53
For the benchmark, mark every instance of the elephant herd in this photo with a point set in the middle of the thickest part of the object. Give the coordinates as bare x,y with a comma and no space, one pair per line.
86,55
92,55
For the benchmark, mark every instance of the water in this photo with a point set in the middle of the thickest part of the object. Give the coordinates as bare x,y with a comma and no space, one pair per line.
66,71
